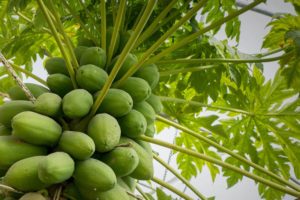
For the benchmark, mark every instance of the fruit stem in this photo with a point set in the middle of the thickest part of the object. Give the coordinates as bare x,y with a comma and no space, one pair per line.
103,25
59,42
160,41
179,176
15,76
210,27
222,164
171,188
228,151
139,189
186,70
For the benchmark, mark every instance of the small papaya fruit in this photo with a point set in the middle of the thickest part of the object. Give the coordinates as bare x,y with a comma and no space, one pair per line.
48,104
116,103
144,170
16,93
36,129
11,108
150,73
130,182
91,77
133,124
12,150
138,88
155,102
95,56
56,65
79,145
23,175
123,160
147,110
4,130
59,84
145,145
150,130
56,168
77,103
33,196
78,52
105,131
94,174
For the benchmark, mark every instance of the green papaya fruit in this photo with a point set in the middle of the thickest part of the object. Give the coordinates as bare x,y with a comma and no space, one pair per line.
95,56
130,61
124,37
130,182
4,130
48,104
150,130
12,150
150,73
123,160
116,103
71,192
85,42
56,168
109,33
155,102
36,129
23,175
56,65
94,174
133,124
145,145
11,108
16,93
138,88
105,131
91,78
146,109
144,170
78,52
77,103
33,196
59,84
79,145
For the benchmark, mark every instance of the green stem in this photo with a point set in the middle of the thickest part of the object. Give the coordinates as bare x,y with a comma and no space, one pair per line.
223,60
186,70
160,17
179,176
222,164
142,192
82,25
171,188
228,151
160,41
103,24
116,29
66,38
59,42
260,55
28,73
212,26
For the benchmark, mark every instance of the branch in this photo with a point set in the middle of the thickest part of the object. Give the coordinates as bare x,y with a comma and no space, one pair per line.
186,70
14,75
142,192
134,196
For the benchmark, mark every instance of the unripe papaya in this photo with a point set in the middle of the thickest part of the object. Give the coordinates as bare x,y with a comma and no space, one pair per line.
4,130
124,37
94,174
147,110
12,150
130,60
59,84
116,103
145,145
105,131
16,93
79,145
56,65
123,160
133,124
138,88
11,108
149,73
48,104
78,52
130,182
144,170
155,102
95,56
150,130
33,196
56,168
109,33
91,77
36,129
23,175
77,103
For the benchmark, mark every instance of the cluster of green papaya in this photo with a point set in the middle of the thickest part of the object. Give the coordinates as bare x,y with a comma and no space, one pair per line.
39,147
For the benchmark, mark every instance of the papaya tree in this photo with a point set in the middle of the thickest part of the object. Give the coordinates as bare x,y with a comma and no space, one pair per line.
121,72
